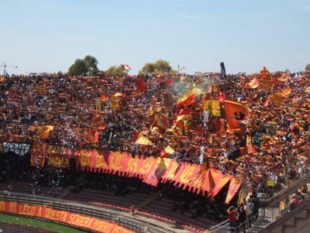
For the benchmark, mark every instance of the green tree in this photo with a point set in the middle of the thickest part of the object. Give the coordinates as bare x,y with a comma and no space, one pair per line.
78,68
86,66
158,66
91,64
148,68
162,66
307,67
115,71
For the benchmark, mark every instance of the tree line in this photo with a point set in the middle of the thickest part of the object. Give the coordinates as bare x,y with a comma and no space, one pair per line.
89,66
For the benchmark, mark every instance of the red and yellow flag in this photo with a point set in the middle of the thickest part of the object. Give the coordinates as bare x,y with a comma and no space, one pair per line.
186,100
184,114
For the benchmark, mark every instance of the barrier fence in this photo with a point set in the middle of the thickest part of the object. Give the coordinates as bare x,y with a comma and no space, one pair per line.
271,210
138,226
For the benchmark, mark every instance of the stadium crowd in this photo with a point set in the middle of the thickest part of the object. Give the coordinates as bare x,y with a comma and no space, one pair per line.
100,112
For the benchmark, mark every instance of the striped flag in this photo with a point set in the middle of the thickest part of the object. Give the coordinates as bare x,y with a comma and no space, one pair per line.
254,83
125,67
186,100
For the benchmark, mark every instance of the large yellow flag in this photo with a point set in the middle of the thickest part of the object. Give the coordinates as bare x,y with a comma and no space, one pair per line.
144,141
212,106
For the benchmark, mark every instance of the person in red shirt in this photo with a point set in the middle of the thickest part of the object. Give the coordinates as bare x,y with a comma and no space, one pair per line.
232,218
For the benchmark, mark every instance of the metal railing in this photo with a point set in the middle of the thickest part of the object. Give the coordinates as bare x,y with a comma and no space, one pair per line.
118,218
272,210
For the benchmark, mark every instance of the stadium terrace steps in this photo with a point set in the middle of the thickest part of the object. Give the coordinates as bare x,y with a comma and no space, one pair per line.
26,187
160,208
90,195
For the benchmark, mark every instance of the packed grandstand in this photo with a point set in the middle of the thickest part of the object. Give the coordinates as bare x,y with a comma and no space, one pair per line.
189,149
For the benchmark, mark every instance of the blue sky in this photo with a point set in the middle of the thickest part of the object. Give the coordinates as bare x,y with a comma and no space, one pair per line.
48,35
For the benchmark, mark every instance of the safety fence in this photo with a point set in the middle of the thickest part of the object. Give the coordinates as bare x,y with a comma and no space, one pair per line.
135,225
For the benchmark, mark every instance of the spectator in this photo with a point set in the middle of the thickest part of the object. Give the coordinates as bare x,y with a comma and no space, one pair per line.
232,218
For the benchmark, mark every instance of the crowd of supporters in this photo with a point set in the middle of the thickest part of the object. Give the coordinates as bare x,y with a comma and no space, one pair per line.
84,113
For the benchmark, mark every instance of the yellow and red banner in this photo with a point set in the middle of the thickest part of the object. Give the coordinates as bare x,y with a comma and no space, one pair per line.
152,170
234,186
62,216
38,154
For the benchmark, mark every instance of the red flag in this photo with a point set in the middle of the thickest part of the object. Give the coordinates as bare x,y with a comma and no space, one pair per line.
235,113
140,85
